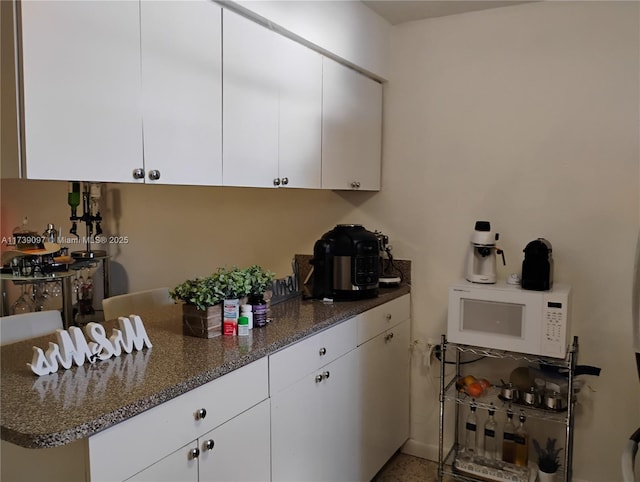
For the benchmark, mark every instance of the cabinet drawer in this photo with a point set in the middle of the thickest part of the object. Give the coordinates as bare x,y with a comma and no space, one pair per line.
160,430
373,322
294,362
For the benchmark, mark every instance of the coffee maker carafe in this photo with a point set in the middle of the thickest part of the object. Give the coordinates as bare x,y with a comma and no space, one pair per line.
481,259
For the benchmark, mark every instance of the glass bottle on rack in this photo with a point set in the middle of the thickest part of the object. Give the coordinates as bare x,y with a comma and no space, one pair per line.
508,441
521,439
470,430
490,428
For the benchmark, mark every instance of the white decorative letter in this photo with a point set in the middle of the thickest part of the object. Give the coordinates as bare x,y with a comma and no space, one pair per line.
39,363
102,346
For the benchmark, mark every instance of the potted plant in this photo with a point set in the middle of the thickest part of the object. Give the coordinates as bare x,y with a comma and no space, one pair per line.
548,459
201,309
258,280
203,298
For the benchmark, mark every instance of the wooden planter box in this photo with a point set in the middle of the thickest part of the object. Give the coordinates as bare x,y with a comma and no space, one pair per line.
202,323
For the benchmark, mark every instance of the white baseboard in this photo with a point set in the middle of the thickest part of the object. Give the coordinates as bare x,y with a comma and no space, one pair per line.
420,449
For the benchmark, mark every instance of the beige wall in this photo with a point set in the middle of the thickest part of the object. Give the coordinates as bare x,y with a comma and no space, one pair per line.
179,232
526,116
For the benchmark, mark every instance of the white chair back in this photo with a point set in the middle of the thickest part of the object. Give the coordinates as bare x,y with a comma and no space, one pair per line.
29,325
132,303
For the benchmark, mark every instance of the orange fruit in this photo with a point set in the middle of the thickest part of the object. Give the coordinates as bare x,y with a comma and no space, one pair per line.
486,384
474,390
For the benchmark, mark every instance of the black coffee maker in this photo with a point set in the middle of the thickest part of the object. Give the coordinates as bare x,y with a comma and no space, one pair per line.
537,267
346,264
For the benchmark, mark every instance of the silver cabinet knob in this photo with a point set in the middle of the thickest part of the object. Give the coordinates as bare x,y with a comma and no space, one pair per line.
208,445
388,337
325,375
138,173
200,414
323,351
388,316
154,174
276,181
319,378
194,453
285,181
355,184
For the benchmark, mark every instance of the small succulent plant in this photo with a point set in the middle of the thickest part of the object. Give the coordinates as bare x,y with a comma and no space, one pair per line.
548,457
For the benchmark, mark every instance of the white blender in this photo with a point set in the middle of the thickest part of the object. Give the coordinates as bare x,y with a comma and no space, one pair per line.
481,259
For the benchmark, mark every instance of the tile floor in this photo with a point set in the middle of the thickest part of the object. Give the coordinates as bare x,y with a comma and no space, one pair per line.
407,468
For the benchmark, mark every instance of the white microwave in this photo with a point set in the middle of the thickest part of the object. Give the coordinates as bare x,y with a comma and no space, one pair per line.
502,316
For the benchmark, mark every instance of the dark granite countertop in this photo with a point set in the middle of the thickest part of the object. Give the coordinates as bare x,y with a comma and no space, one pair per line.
56,409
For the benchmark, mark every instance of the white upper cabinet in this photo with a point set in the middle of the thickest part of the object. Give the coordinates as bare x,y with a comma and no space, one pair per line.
300,115
351,129
182,92
81,90
272,108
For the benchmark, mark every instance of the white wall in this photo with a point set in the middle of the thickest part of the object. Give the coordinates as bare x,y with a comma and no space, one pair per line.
526,116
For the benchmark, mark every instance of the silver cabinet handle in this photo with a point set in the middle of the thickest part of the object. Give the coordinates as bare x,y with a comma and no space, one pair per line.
326,374
285,181
138,173
276,181
354,184
200,414
388,337
323,351
209,444
194,453
319,378
388,316
154,175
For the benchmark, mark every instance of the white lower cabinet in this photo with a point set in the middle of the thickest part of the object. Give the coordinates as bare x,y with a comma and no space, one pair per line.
238,450
314,432
348,415
384,380
160,434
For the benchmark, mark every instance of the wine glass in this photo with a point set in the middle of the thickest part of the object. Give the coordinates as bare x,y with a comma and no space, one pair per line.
22,304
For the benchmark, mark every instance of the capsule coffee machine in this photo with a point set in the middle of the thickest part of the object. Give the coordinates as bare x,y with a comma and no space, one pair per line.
481,259
346,264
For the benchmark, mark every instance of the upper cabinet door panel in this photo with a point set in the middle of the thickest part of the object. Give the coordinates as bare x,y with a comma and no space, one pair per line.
300,115
351,129
81,90
182,91
250,100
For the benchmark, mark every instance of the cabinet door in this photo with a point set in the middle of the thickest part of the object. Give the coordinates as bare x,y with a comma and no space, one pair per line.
179,466
384,373
238,450
314,426
250,98
300,121
81,90
182,91
351,129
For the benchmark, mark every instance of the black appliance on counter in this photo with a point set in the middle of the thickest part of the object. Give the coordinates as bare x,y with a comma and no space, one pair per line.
346,264
537,267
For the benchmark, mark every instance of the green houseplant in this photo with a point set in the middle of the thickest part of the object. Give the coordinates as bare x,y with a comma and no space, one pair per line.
202,297
258,280
548,457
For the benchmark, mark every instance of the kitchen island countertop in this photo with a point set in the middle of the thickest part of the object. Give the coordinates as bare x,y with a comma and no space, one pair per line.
56,409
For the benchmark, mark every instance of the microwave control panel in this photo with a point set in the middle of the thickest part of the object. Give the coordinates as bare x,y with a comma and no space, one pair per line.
554,328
